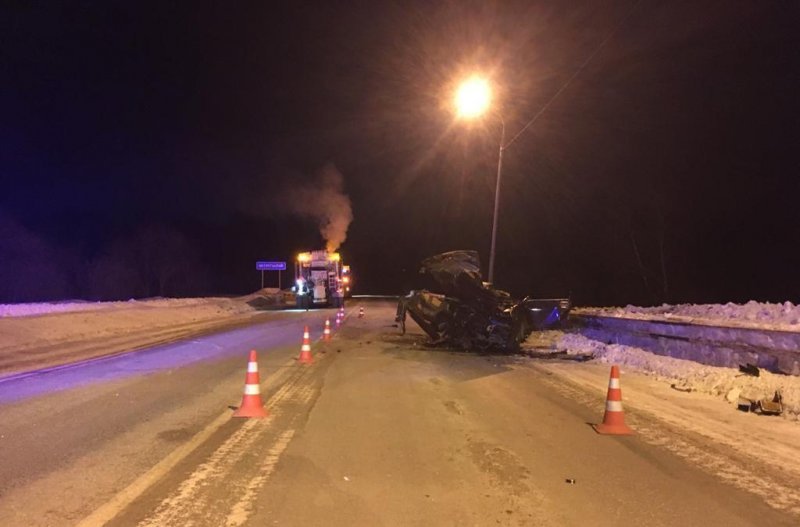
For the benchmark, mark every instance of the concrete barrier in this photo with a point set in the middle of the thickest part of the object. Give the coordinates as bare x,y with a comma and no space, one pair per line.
774,350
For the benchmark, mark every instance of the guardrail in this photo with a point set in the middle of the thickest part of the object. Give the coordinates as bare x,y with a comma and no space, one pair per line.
773,350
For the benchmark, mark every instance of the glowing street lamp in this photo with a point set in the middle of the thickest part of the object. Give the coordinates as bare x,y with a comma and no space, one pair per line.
472,100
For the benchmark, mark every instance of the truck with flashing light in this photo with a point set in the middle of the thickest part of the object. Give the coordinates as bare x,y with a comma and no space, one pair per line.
319,280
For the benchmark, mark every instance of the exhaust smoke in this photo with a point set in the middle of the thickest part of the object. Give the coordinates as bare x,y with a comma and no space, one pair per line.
324,200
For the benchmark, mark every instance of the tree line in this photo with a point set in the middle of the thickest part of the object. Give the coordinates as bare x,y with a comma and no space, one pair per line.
155,260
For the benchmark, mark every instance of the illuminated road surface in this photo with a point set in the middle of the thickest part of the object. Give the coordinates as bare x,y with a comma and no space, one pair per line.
379,431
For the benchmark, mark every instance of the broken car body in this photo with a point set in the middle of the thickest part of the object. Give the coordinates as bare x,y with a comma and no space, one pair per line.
462,311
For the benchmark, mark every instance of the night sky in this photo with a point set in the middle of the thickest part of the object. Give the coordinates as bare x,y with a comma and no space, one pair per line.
667,170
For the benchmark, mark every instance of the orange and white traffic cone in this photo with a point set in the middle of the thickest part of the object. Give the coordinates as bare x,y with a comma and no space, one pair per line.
338,320
360,312
305,349
251,401
614,418
326,333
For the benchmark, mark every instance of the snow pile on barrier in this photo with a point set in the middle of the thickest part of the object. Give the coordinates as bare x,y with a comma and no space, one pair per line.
687,375
782,315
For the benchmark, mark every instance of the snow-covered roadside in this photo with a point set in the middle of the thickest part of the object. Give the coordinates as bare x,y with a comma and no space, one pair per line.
683,375
51,308
758,454
765,315
33,336
689,409
784,318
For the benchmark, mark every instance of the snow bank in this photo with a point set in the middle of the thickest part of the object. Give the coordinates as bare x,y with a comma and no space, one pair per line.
47,334
270,295
47,308
688,375
785,315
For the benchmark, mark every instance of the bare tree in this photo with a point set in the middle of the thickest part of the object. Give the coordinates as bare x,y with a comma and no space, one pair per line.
114,274
30,267
166,260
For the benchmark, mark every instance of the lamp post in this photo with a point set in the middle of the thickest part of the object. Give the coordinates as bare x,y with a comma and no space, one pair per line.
472,101
497,198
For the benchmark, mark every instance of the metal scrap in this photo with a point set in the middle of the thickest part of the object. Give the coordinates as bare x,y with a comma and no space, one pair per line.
749,369
766,406
458,309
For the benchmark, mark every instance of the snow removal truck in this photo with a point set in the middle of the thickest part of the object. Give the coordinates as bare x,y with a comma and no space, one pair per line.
320,279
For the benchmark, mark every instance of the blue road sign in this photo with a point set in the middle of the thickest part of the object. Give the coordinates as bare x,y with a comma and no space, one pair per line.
270,266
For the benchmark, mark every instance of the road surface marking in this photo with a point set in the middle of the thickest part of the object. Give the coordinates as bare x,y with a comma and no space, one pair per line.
176,508
219,465
122,499
243,508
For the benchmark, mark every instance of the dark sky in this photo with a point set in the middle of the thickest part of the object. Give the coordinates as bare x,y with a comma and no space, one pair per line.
677,142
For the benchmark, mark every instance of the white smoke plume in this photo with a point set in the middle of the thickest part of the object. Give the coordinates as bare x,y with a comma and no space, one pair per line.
324,200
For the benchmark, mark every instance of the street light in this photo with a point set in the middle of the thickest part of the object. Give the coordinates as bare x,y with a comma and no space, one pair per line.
472,100
473,97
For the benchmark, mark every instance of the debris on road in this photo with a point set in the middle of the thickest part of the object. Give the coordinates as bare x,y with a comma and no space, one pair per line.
749,369
745,405
560,355
462,310
772,406
765,406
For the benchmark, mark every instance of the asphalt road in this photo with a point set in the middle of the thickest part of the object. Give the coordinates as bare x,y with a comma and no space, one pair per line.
378,431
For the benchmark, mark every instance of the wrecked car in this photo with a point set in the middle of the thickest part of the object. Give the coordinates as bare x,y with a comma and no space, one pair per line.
459,309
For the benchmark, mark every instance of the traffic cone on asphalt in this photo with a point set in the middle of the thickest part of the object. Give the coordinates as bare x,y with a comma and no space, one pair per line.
614,418
360,312
251,401
305,349
326,333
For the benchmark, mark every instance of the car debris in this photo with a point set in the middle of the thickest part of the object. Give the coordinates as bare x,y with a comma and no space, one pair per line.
750,369
765,406
559,355
745,405
773,406
459,309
